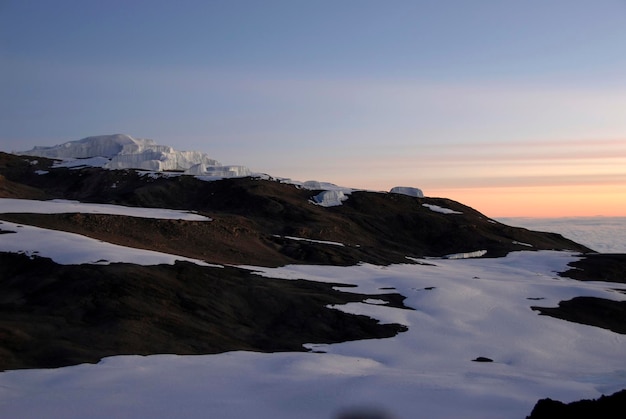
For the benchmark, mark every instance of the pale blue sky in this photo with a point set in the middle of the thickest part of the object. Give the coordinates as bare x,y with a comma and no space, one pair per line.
436,94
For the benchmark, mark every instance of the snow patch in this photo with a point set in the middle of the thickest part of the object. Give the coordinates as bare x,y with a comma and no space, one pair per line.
312,241
522,244
476,254
375,301
441,210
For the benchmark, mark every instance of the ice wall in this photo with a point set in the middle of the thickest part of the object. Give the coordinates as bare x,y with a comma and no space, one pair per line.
329,198
218,170
406,190
101,145
159,159
126,152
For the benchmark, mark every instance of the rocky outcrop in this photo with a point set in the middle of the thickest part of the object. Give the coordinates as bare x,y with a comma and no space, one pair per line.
606,407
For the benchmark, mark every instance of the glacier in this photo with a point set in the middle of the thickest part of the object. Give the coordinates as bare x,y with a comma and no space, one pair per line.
330,198
407,190
121,151
95,146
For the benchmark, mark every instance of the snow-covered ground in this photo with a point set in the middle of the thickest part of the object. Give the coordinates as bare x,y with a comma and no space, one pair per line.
62,206
462,309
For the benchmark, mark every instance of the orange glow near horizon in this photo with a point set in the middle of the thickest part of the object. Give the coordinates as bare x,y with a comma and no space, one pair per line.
542,201
551,178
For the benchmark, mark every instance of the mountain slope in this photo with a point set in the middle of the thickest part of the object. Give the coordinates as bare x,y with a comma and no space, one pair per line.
256,220
56,315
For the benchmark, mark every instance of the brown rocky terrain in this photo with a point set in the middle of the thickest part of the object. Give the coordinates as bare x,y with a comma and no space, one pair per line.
251,218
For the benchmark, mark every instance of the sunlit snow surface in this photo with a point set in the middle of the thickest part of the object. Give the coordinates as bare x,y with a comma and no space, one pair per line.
462,309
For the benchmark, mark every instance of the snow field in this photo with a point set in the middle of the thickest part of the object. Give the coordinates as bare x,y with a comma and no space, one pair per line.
461,309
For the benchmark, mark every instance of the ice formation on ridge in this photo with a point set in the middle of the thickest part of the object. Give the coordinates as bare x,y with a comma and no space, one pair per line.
121,151
406,190
202,169
100,145
329,198
125,152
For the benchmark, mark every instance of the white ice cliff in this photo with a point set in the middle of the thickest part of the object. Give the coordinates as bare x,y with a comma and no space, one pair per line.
121,151
202,169
100,145
329,198
126,152
406,190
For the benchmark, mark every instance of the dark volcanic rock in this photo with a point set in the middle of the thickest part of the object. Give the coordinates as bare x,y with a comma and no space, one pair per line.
56,315
606,407
599,267
592,311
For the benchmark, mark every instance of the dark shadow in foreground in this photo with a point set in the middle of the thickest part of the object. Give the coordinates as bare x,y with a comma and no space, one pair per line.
607,407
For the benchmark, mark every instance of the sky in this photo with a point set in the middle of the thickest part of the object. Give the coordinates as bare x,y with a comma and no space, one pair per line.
514,108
